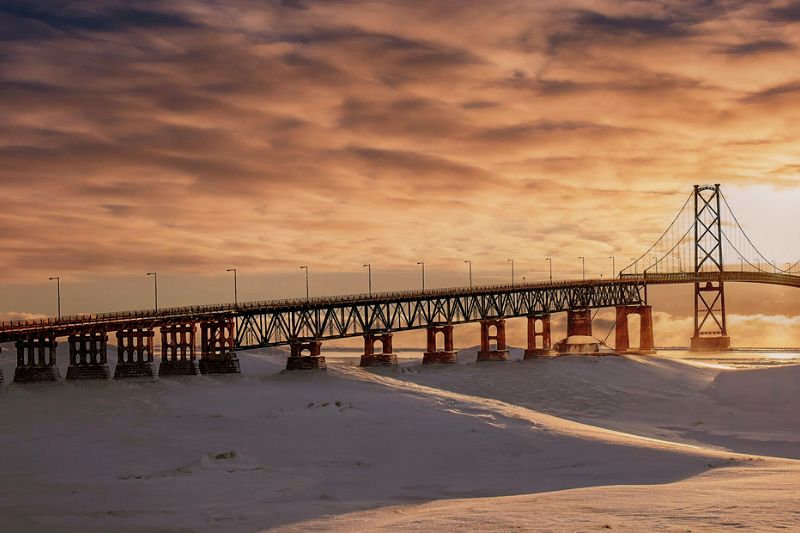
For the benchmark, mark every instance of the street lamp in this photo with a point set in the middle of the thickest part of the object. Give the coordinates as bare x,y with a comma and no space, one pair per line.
470,272
550,263
304,267
155,286
655,262
583,267
58,293
235,287
512,270
635,266
369,276
741,264
422,263
613,266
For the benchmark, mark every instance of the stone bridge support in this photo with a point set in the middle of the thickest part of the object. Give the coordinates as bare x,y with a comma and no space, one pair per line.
433,355
623,344
299,360
546,347
498,352
385,358
579,322
88,356
135,353
218,346
36,359
177,350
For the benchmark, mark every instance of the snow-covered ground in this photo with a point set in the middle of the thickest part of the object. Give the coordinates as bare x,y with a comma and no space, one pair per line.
574,443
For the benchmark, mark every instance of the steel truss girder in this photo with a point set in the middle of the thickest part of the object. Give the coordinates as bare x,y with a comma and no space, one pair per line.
275,327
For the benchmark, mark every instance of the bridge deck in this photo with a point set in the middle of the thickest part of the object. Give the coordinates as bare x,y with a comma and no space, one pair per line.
273,322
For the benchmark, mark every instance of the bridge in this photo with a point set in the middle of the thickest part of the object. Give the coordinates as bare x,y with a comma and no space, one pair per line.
703,246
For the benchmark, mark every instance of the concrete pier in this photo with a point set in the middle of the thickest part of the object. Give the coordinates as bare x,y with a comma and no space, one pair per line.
88,356
545,347
385,358
36,359
493,341
135,354
433,355
306,355
622,334
177,350
579,322
218,347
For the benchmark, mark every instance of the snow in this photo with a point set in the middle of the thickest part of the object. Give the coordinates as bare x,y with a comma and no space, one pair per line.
570,441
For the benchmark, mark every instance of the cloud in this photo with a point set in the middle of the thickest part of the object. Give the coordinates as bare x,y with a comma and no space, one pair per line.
75,18
757,47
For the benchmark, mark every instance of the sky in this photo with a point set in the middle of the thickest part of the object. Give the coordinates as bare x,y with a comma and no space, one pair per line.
192,137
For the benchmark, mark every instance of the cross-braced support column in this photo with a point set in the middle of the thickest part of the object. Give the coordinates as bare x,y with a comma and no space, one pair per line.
177,350
218,347
385,358
545,347
433,354
579,322
88,356
710,325
306,355
493,330
622,336
36,359
135,353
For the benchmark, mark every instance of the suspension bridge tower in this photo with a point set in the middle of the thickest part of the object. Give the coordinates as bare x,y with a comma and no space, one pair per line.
710,327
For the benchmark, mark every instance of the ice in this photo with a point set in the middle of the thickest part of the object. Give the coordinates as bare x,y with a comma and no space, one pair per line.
567,443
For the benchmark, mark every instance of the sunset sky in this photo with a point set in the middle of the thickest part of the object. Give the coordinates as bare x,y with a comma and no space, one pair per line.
190,137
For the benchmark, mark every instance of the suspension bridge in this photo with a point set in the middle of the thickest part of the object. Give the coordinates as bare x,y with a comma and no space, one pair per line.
704,245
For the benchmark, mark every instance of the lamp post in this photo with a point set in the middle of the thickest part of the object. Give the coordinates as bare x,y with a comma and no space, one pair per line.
655,263
422,263
470,271
235,287
512,270
583,267
58,293
741,265
304,267
369,276
550,264
155,287
635,266
613,266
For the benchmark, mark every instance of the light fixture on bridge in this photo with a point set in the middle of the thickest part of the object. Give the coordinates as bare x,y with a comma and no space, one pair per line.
550,264
512,270
422,263
304,267
470,271
58,293
369,276
583,267
155,288
235,287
